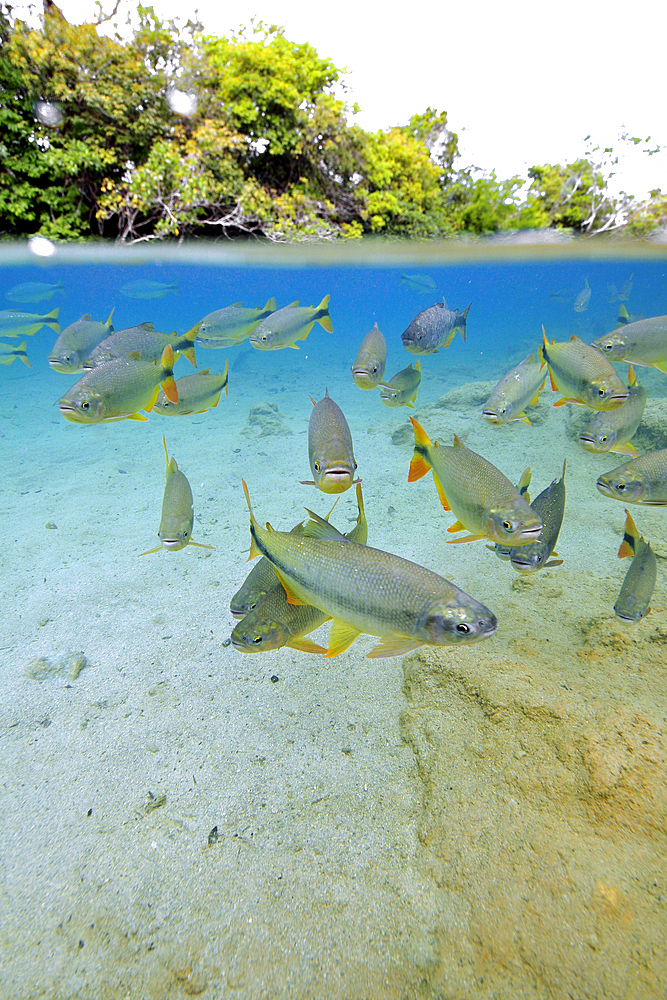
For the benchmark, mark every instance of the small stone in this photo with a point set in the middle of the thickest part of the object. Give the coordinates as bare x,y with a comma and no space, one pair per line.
274,678
51,525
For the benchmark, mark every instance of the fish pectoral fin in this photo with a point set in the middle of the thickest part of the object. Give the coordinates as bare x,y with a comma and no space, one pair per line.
553,384
441,493
306,646
467,538
450,337
137,416
554,562
625,449
149,552
199,545
524,419
393,646
153,400
189,353
457,526
563,401
308,482
341,638
295,347
291,596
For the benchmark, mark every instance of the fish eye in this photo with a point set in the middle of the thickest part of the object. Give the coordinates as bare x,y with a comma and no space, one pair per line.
317,466
185,534
257,639
607,347
501,409
85,404
375,368
508,526
462,628
619,486
603,437
263,338
602,392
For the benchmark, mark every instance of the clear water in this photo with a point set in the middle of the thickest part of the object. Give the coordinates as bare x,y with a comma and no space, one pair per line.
481,822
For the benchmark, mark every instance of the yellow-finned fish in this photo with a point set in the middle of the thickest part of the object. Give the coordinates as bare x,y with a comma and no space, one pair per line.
611,430
14,323
549,506
434,328
274,622
643,342
583,298
259,582
641,480
9,353
34,291
329,448
401,390
582,374
370,591
639,583
368,367
230,326
197,393
289,324
482,498
119,388
142,338
516,390
178,512
76,342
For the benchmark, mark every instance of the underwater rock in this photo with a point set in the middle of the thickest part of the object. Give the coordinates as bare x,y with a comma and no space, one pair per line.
68,666
651,435
265,419
462,397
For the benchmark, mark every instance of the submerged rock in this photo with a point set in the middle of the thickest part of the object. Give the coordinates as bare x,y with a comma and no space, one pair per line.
265,419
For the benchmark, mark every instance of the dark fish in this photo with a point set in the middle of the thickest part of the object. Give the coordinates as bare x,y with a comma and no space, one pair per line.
637,589
433,328
549,507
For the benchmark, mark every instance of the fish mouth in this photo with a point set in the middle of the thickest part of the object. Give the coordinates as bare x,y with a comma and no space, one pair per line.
490,629
630,619
491,416
172,544
618,397
523,565
336,480
589,443
607,490
72,414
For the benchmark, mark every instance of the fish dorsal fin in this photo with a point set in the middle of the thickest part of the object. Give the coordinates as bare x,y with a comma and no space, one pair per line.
441,493
630,537
271,304
292,305
524,483
318,527
458,443
236,304
85,316
147,327
418,365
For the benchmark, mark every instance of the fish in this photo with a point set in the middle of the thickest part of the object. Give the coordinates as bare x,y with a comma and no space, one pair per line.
230,326
583,298
401,390
420,283
9,353
560,295
637,588
368,367
258,584
178,511
433,328
289,324
625,290
34,291
76,342
118,389
516,390
643,342
197,393
611,430
144,289
549,506
142,338
274,622
484,500
641,480
22,324
582,374
330,448
370,591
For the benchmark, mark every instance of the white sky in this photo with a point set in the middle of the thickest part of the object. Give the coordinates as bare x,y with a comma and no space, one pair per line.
523,82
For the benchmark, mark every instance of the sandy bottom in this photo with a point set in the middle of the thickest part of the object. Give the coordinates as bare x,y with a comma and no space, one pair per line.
485,822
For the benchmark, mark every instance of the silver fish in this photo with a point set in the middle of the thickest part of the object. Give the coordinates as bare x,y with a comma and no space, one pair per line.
433,328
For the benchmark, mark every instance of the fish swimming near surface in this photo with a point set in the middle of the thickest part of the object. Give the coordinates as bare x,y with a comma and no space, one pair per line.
366,590
76,342
230,326
289,324
197,393
143,289
423,284
625,290
369,365
9,353
643,342
582,374
549,506
516,390
583,298
482,498
274,622
142,338
118,389
641,480
178,511
14,323
34,291
401,390
330,448
611,430
434,328
637,589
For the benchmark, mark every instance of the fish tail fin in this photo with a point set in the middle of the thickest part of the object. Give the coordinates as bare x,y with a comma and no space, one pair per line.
623,316
194,332
524,483
226,378
167,380
360,503
632,378
20,353
254,527
418,364
462,329
420,464
325,320
54,314
108,322
630,537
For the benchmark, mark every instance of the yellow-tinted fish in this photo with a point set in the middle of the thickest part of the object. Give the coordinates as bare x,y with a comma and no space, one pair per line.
639,583
368,368
482,498
76,342
283,327
549,506
582,374
9,353
519,388
142,338
196,394
14,323
643,342
119,388
367,590
259,582
611,430
642,480
583,298
231,325
178,512
401,390
329,448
